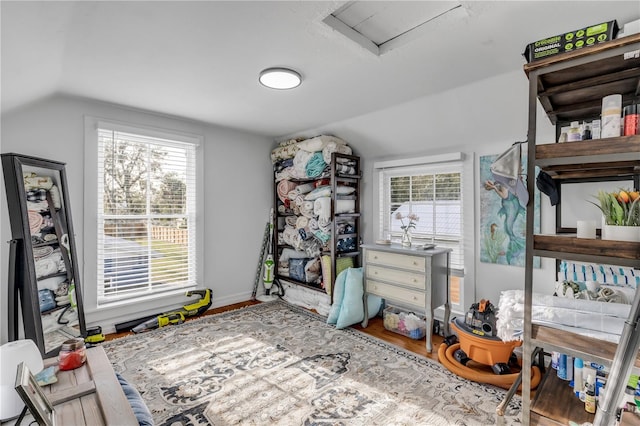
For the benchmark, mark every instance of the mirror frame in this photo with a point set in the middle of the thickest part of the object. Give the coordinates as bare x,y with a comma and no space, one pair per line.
22,268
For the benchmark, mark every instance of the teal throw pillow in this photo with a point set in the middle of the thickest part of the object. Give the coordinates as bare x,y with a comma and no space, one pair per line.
352,310
374,304
338,294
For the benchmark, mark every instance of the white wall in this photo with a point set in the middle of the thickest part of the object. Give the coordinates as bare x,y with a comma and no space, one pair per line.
483,118
236,188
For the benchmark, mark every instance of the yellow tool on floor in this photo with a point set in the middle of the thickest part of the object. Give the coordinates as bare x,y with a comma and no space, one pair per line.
94,335
178,317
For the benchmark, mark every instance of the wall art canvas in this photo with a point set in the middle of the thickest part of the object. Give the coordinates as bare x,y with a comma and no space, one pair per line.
503,219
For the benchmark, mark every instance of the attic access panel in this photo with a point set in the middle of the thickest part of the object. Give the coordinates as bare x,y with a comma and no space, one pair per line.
380,26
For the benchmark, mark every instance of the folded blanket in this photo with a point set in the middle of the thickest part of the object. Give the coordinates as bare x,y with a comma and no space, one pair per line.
577,315
33,181
324,224
55,197
345,206
302,222
285,150
315,166
283,188
345,169
288,253
605,274
283,164
306,209
288,173
334,146
290,221
324,237
300,163
322,208
318,143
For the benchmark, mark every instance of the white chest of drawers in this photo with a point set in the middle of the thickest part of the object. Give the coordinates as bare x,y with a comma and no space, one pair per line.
410,277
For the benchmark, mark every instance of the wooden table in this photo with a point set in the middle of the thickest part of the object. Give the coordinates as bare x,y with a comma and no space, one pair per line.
90,394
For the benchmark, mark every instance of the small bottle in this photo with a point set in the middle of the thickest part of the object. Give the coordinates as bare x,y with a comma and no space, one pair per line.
595,129
590,395
630,124
574,134
578,385
586,131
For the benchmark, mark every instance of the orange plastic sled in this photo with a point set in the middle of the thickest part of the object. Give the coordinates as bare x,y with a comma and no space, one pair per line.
445,355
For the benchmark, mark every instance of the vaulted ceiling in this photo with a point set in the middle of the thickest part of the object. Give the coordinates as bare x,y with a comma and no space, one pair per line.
200,60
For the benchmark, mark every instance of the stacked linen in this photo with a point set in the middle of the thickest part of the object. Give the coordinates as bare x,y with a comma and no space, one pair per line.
307,207
309,158
604,274
585,317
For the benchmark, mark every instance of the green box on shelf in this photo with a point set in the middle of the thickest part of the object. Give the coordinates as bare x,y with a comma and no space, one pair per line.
571,41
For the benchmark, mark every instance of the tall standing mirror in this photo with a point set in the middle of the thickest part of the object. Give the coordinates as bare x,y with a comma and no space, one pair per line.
43,270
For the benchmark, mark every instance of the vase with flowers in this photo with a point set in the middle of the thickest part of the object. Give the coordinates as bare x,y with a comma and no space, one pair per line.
620,214
411,218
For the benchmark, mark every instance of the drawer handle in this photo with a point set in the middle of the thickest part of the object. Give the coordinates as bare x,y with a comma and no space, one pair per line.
375,273
415,280
415,263
375,257
415,297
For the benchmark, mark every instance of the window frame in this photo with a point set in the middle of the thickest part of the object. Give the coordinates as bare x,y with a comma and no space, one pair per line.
154,300
463,277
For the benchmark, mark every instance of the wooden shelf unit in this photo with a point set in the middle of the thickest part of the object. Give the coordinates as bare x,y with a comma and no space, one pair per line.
336,178
570,87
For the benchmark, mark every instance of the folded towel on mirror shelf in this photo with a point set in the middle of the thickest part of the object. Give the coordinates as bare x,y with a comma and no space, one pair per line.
33,181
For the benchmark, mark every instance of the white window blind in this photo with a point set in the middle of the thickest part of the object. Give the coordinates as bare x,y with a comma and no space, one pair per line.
433,192
146,215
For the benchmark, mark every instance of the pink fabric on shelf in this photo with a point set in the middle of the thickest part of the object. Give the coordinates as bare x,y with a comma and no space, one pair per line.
284,187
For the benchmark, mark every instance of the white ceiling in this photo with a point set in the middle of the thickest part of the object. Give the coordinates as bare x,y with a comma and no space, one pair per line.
200,60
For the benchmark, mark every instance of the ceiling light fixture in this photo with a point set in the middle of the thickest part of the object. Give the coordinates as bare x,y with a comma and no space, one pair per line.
280,78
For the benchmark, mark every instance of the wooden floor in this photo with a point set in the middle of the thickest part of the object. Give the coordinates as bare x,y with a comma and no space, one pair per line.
375,329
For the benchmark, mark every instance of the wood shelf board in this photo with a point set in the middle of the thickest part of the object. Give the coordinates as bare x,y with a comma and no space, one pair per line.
300,283
587,51
575,342
571,85
556,403
625,251
593,158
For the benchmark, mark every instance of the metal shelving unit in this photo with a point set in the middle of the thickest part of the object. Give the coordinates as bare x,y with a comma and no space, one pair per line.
571,87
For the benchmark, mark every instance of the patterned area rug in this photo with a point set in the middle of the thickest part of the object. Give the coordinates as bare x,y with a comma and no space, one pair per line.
277,364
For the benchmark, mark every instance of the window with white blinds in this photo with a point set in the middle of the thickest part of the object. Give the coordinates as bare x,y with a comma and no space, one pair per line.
146,215
433,193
